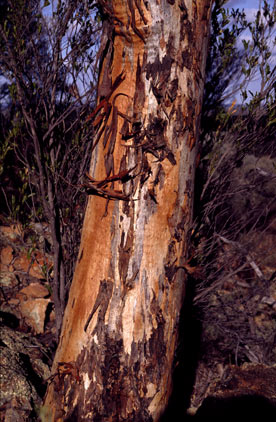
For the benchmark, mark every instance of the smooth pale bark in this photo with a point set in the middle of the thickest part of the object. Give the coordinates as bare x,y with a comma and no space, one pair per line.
121,322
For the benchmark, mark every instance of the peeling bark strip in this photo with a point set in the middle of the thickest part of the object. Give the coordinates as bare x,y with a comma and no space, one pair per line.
120,326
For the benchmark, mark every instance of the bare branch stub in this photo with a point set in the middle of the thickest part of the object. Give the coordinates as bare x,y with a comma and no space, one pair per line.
94,187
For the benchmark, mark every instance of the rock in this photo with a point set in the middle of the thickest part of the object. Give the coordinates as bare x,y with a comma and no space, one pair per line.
12,415
23,376
35,290
34,312
25,255
43,231
12,232
6,257
7,279
25,304
32,265
33,305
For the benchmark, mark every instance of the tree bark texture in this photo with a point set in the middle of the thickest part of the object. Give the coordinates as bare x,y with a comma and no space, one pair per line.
115,356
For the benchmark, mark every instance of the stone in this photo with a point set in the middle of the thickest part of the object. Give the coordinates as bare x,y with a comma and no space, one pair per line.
23,375
32,265
35,290
33,305
12,232
7,279
34,313
6,256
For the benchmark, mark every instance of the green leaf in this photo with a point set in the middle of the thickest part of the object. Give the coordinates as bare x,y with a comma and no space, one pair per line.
245,44
272,122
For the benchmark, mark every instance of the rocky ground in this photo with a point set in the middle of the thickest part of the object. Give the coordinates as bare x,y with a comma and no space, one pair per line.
27,337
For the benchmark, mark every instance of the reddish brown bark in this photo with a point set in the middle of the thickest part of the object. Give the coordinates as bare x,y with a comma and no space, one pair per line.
120,326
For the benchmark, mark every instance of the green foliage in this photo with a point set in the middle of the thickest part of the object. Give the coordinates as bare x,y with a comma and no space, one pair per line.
224,59
234,62
5,147
45,61
230,133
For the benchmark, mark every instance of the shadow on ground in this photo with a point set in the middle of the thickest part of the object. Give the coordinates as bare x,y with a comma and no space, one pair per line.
247,407
187,357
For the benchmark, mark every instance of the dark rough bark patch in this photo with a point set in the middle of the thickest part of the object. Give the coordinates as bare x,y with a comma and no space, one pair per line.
139,95
126,208
179,231
183,9
170,267
190,117
125,253
157,343
187,60
102,302
66,388
171,158
125,132
186,30
104,365
105,87
173,88
177,223
156,129
160,177
189,185
170,271
73,416
121,377
156,143
111,376
179,126
158,69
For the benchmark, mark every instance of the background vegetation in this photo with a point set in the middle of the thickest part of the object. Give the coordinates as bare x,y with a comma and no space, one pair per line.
234,236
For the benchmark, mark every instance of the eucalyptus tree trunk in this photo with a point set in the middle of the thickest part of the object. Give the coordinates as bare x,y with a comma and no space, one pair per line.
120,328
